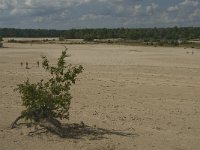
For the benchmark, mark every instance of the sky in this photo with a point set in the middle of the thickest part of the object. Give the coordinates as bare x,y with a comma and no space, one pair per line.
68,14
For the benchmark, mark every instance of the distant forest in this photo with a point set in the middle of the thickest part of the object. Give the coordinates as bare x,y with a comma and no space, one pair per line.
175,33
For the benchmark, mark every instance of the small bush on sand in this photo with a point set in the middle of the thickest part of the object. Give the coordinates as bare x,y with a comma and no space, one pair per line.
46,102
61,38
12,41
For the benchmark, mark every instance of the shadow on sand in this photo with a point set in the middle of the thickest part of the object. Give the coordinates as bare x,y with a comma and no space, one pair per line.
78,131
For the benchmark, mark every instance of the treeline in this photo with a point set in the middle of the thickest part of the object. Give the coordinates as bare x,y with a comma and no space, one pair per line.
34,33
145,34
1,44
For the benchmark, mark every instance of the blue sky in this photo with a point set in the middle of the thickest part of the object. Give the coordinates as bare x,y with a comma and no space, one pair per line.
67,14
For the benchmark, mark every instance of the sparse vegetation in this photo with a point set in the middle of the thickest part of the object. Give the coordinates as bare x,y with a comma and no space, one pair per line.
61,38
1,39
47,101
12,41
173,37
144,34
27,41
88,38
27,65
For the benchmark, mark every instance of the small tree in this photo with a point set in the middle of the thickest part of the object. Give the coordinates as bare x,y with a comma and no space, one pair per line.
45,102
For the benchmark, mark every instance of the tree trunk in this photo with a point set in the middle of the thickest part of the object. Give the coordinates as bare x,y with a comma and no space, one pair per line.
51,124
14,124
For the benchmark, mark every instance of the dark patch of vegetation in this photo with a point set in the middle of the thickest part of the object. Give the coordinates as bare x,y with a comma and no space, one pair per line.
1,39
146,37
151,34
27,41
88,38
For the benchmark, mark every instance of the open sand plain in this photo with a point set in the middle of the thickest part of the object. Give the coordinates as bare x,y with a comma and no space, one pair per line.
130,98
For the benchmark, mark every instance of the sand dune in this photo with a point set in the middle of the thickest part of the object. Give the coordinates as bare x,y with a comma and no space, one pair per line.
141,98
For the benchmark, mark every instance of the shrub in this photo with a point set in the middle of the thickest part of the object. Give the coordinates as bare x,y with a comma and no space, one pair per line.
61,38
47,101
12,41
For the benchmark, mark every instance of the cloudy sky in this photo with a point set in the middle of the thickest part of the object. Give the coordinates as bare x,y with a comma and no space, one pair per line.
67,14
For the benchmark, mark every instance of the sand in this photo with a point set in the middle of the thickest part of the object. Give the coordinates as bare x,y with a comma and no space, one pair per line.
141,98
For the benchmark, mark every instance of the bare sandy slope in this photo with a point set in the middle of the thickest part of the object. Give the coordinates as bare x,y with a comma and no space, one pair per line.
129,97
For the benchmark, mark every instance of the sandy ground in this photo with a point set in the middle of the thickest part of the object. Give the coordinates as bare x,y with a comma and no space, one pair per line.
129,97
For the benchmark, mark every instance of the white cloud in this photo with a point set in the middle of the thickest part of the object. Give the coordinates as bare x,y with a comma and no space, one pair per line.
107,13
151,8
92,17
16,11
28,2
136,9
88,17
190,3
187,11
120,8
39,19
195,14
172,8
3,4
